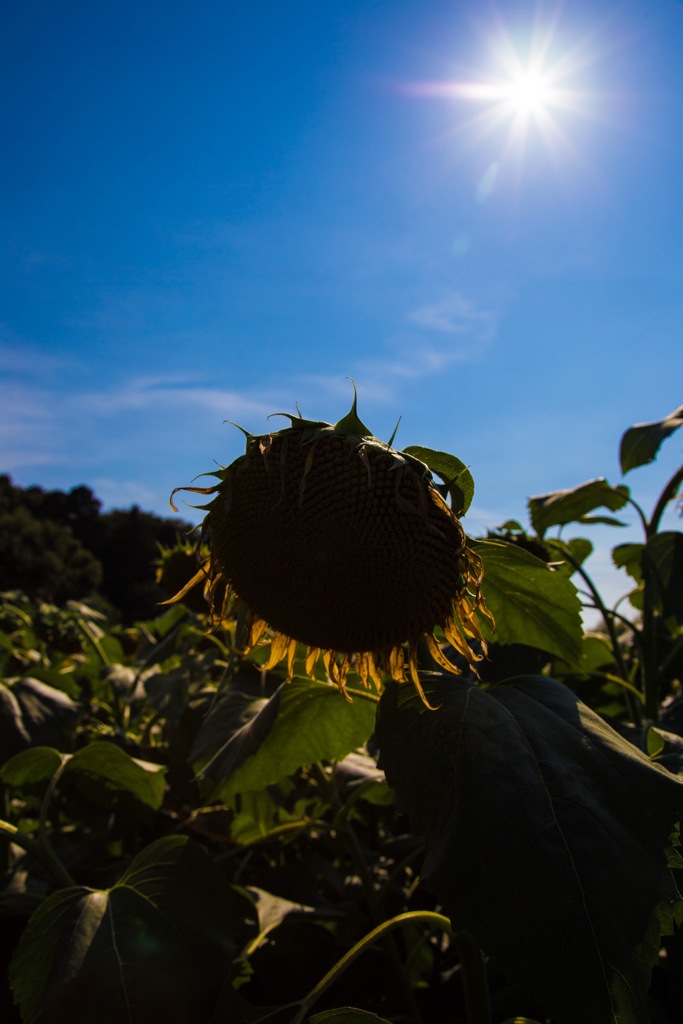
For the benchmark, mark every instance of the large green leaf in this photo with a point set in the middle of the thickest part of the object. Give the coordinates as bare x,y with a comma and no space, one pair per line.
640,443
570,506
531,603
313,723
547,836
155,947
106,772
102,770
33,713
31,767
453,472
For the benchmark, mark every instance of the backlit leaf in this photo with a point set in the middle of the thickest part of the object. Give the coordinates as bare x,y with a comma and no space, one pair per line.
452,471
531,604
640,443
313,723
569,506
105,771
31,767
628,557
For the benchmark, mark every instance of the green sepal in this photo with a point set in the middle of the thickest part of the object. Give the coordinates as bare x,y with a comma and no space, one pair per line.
351,424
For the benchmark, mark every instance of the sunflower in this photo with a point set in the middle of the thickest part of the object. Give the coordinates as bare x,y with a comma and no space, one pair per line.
333,539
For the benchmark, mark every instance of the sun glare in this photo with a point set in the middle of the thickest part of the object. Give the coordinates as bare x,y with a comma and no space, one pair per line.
525,89
528,93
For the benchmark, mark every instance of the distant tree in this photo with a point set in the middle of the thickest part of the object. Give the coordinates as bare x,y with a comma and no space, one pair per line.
59,545
44,559
127,544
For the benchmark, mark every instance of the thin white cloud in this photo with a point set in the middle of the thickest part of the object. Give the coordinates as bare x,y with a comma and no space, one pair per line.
28,434
455,314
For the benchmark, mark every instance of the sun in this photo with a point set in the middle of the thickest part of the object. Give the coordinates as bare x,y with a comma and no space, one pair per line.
528,94
526,88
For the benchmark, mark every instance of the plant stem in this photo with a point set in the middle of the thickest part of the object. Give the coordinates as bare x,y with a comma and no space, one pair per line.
609,625
348,834
477,1005
667,495
41,851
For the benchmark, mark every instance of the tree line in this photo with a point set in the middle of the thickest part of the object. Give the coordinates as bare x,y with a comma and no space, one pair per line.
57,546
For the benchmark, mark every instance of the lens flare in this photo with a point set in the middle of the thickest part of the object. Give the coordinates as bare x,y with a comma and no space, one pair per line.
528,89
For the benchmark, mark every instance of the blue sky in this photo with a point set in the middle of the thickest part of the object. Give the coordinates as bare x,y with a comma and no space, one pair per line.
215,210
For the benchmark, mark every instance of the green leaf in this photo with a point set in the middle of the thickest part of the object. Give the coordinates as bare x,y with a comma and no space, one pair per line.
628,557
31,767
155,947
561,507
105,773
597,654
640,443
662,565
313,723
600,520
14,736
346,1015
655,742
33,713
546,837
578,549
530,603
452,471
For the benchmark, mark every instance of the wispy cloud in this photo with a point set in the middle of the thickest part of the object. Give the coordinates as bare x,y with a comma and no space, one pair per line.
455,314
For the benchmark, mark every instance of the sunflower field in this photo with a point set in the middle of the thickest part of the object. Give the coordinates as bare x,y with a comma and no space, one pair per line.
361,767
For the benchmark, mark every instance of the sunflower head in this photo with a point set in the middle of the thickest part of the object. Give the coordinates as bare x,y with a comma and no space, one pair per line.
336,540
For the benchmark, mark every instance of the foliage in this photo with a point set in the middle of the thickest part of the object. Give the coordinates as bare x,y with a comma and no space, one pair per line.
188,838
43,558
58,546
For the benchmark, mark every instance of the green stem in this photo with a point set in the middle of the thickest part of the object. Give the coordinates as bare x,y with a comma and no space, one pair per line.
667,495
609,626
671,656
477,1005
41,851
348,834
641,514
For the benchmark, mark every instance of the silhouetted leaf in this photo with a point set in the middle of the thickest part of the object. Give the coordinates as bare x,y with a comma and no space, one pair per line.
155,947
561,507
662,565
640,443
546,836
452,471
530,603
